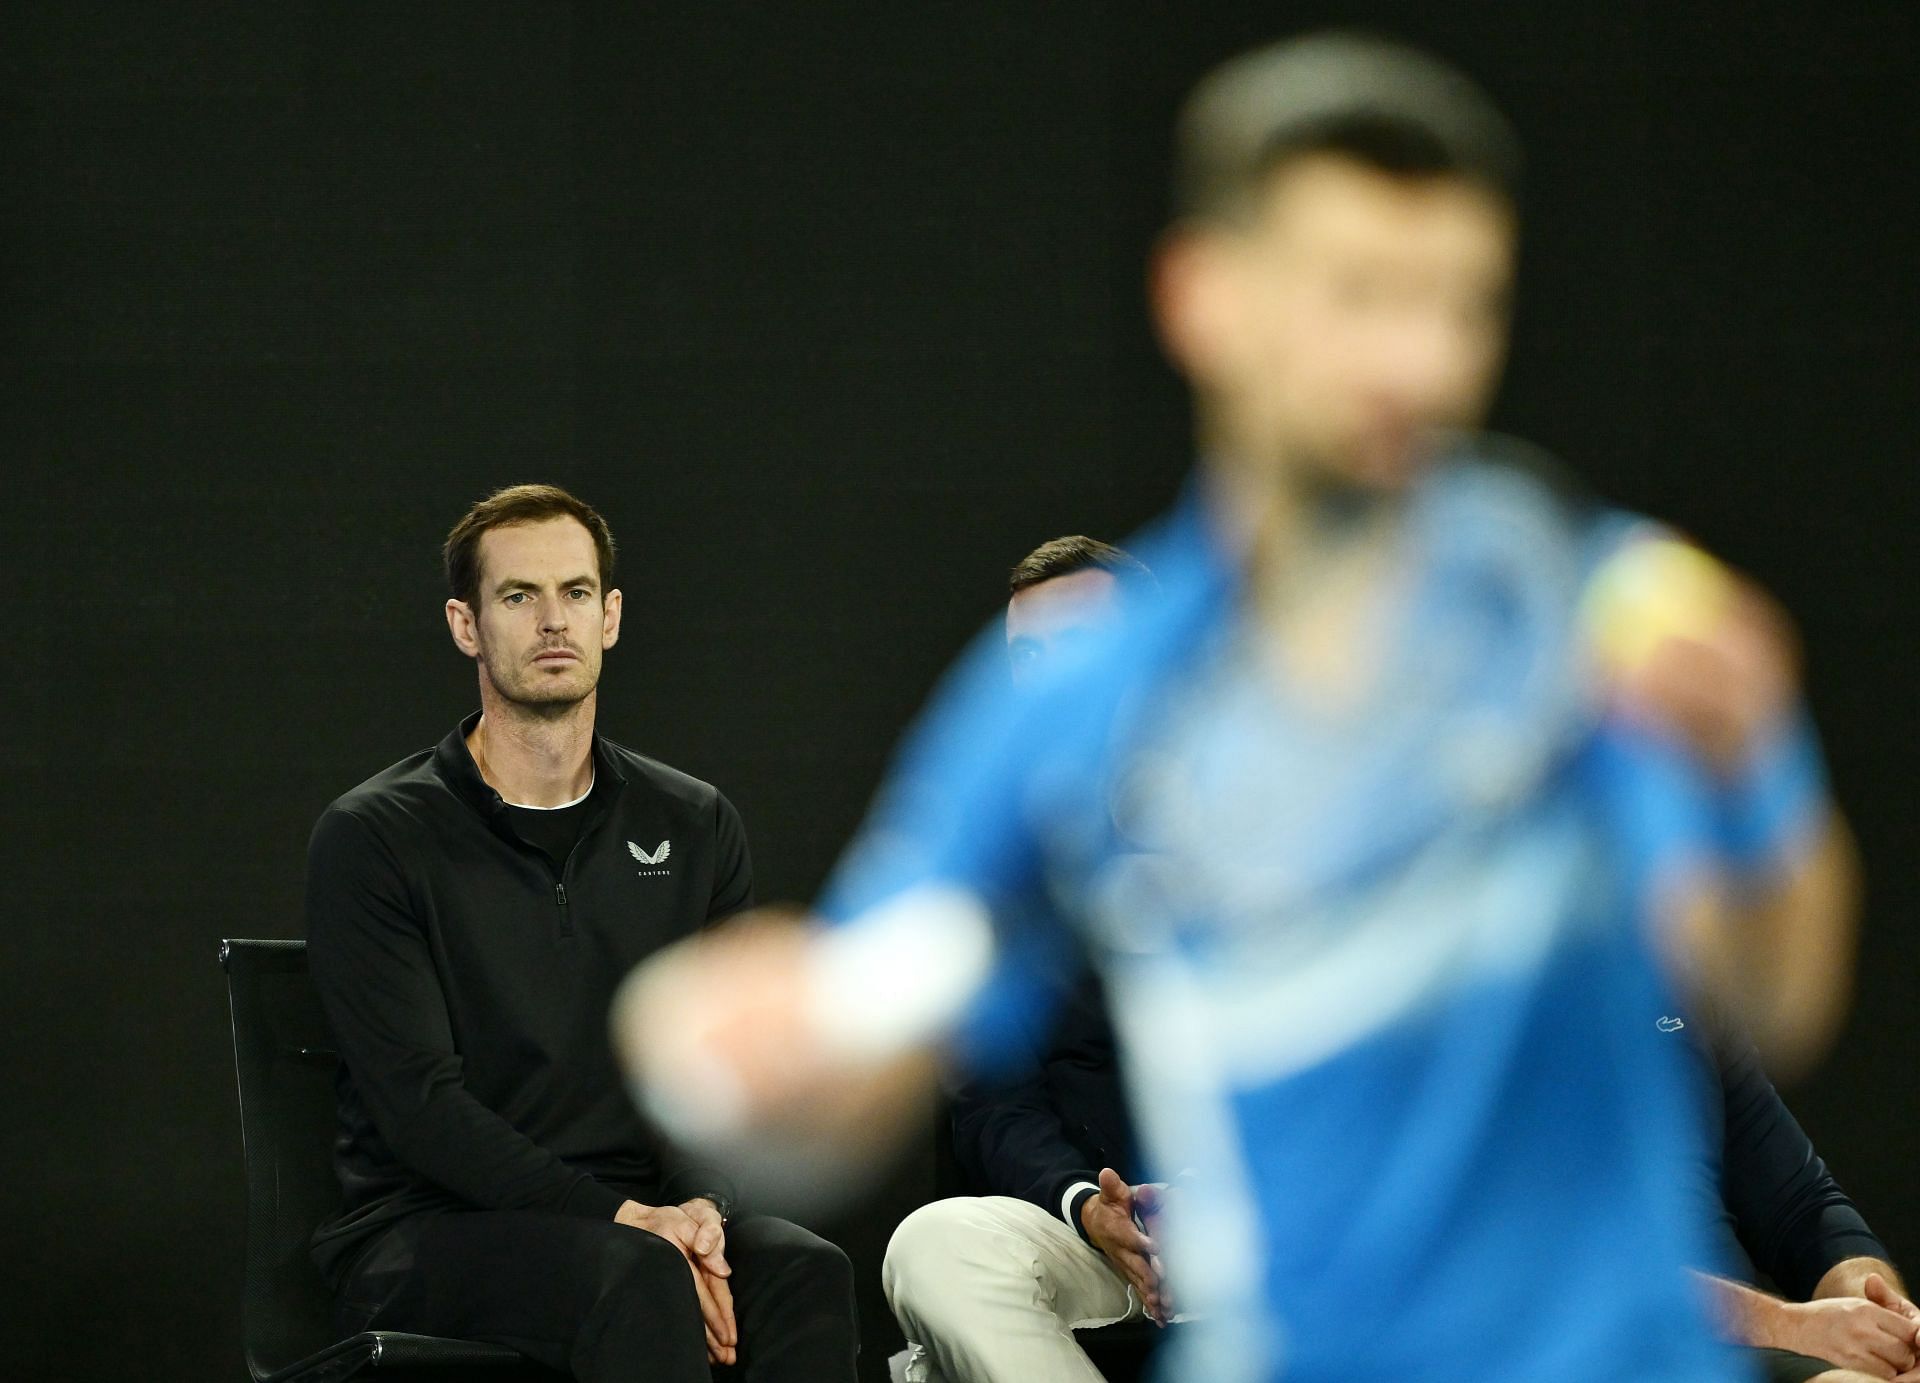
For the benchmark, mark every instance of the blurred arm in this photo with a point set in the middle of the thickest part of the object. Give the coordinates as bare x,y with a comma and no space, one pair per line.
1777,946
1773,938
684,1176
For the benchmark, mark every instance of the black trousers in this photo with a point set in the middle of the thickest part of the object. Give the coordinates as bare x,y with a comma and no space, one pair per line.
607,1302
1784,1366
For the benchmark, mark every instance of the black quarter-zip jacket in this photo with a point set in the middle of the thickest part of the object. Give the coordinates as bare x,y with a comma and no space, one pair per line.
467,979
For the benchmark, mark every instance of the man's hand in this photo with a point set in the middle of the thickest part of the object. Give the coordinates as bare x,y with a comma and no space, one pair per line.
1856,1332
723,1034
1694,647
711,1271
1727,685
1108,1220
1880,1292
695,1229
711,1237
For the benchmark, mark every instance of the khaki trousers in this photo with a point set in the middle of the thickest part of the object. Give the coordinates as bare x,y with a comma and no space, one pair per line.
989,1289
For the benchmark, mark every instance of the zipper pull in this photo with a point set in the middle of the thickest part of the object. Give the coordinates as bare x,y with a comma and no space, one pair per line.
560,894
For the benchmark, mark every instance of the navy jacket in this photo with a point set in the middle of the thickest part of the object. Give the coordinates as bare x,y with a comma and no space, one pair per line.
1772,1195
1056,1118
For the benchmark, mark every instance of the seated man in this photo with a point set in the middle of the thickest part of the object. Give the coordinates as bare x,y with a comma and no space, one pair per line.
1844,1315
470,910
991,1287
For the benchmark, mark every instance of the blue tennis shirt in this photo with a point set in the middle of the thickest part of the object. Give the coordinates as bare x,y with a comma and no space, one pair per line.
1378,973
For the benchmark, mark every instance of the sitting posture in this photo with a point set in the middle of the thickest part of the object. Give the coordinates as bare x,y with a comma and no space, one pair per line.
470,911
991,1287
1844,1316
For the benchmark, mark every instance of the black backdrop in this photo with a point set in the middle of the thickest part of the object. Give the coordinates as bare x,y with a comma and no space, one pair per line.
834,310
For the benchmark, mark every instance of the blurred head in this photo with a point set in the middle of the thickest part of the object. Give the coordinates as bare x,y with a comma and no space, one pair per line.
1064,592
1335,284
529,569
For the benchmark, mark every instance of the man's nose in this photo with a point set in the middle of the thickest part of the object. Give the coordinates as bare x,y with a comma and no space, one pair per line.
553,614
1427,364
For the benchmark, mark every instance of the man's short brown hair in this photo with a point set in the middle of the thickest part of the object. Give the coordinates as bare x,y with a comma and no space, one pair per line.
1380,103
519,504
1077,552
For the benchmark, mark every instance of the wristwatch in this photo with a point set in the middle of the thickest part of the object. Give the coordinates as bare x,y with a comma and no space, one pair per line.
721,1202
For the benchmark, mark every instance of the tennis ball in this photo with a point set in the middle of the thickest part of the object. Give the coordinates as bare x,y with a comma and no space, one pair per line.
1652,590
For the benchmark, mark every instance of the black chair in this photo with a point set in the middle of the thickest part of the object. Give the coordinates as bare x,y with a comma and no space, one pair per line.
286,1069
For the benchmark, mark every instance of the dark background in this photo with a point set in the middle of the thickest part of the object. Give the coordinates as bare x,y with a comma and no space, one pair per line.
835,311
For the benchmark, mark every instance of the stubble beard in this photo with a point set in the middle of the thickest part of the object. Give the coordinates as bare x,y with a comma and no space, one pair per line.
529,692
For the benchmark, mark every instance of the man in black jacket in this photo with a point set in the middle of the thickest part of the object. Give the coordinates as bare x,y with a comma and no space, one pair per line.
1781,1217
470,910
991,1286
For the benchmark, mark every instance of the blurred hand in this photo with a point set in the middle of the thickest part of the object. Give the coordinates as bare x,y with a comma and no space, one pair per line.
722,1019
723,1038
695,1229
1108,1220
1723,683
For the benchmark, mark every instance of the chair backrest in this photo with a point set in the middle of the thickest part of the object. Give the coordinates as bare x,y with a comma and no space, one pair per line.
286,1067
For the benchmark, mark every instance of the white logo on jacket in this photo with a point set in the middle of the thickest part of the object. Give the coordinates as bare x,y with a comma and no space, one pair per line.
656,856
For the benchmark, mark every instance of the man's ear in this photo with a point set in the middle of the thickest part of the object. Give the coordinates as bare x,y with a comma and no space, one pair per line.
464,628
610,625
1194,302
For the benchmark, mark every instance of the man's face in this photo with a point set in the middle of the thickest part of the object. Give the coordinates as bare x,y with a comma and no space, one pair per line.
1351,318
539,624
1048,621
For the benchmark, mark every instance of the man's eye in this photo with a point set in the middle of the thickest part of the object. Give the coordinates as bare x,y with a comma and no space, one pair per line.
579,593
517,598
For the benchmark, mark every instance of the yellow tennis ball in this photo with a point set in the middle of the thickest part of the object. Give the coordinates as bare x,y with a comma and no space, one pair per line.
1653,589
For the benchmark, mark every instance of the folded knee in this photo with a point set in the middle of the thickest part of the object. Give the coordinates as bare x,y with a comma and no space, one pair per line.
926,1247
825,1266
633,1262
791,1259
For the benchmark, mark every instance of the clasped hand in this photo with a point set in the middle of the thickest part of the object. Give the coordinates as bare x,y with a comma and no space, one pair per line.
695,1228
1109,1219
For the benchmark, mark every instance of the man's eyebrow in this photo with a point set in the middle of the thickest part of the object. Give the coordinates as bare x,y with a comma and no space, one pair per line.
520,583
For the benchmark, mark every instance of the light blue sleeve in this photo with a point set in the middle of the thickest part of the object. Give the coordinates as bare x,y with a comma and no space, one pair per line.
1668,812
1776,805
962,809
1754,821
1656,804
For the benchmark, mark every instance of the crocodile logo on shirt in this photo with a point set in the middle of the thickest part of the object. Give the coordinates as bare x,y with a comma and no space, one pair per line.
1670,1024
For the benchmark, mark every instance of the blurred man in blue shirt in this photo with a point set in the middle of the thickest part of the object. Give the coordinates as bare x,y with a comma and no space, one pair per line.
1424,779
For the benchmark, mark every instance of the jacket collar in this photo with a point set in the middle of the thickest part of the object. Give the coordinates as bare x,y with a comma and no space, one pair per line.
455,765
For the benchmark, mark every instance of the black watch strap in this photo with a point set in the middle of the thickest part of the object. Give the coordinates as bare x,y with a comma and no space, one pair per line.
721,1202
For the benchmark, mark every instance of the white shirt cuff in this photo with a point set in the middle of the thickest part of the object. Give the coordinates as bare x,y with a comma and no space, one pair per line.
1066,1201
